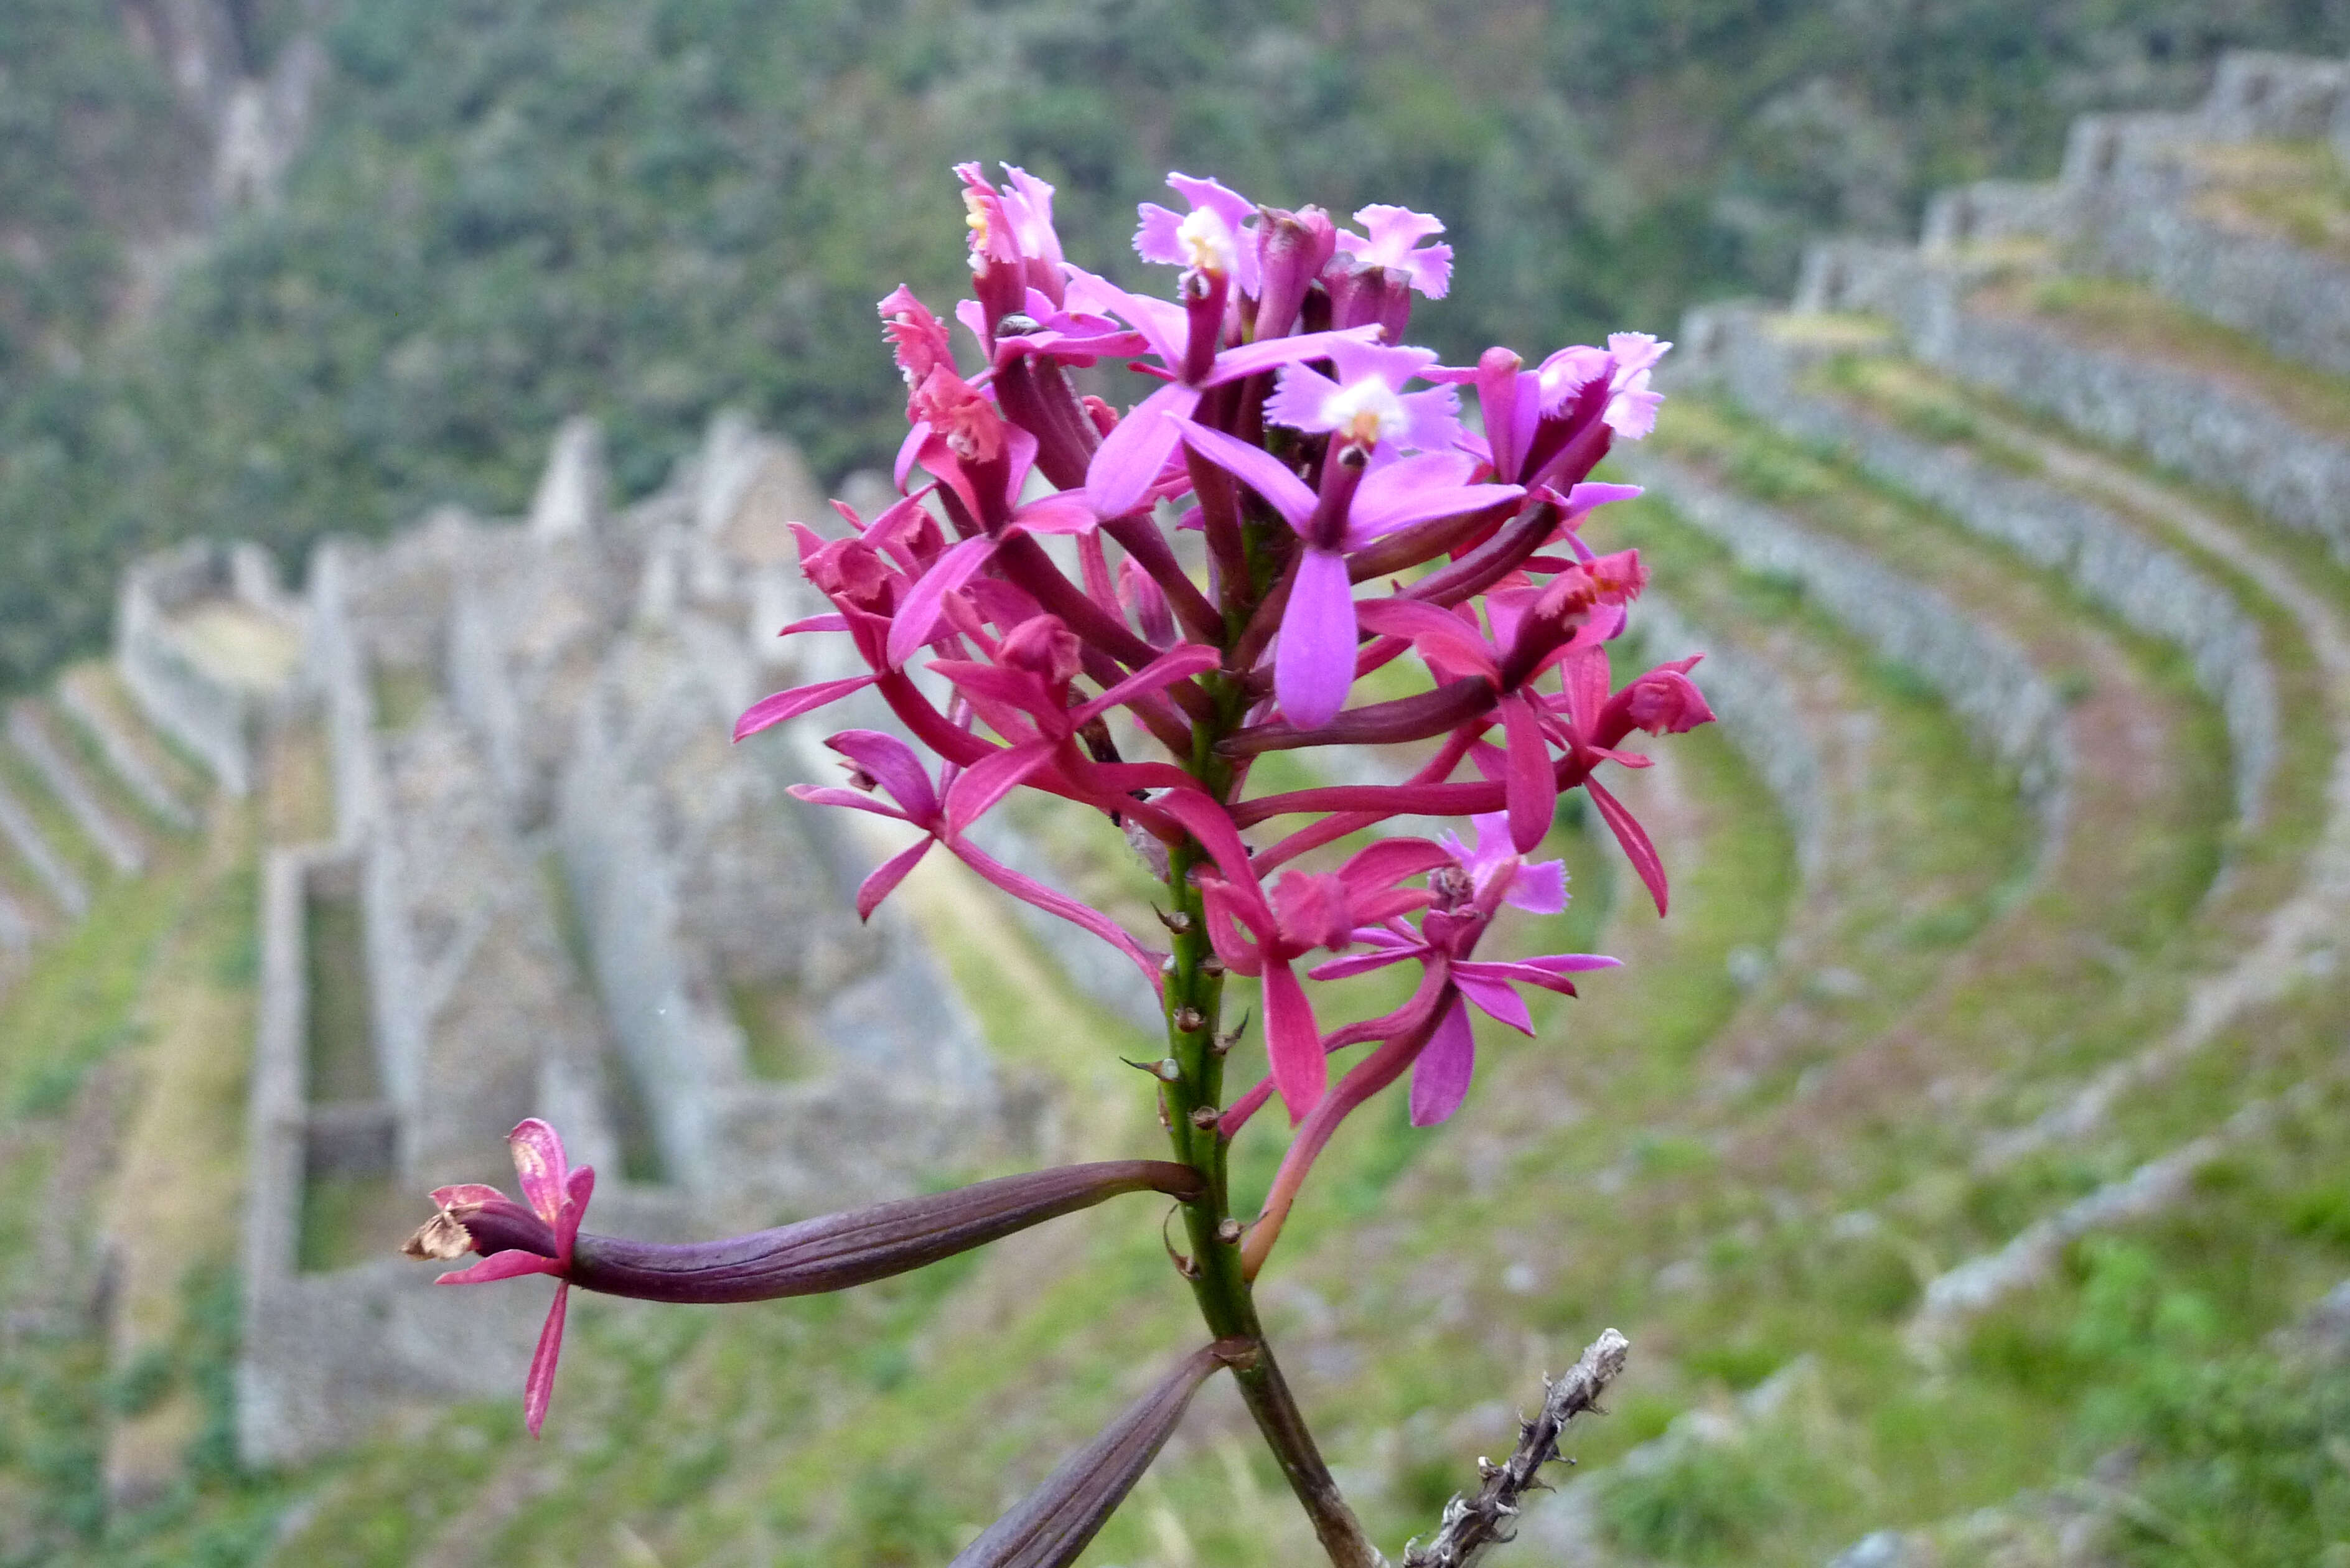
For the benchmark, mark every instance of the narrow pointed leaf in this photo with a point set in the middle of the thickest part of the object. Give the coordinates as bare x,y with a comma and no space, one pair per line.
1053,1524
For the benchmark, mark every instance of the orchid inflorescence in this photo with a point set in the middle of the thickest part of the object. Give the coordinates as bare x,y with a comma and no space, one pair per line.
1294,451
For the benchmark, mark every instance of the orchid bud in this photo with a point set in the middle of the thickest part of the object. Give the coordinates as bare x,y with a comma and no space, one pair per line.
1365,296
1052,1525
1314,909
836,1250
849,569
1665,701
1293,249
961,415
1045,646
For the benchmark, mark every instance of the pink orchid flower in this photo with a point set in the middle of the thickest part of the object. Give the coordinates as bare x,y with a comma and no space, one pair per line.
1313,660
1365,404
888,764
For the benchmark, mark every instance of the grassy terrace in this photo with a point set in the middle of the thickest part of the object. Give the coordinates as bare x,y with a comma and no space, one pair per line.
2118,315
2262,867
2140,1325
2295,190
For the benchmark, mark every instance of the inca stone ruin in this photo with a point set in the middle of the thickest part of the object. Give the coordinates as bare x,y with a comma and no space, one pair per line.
570,896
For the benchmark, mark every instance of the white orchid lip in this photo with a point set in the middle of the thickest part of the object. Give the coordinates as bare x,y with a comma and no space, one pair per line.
1366,412
1207,241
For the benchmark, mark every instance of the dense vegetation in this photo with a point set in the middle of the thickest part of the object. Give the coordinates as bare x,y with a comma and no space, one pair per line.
648,208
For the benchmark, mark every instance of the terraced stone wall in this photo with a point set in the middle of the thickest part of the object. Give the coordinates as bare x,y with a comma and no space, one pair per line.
1986,679
2148,585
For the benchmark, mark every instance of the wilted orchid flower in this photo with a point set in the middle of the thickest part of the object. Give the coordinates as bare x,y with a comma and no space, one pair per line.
558,1197
813,1256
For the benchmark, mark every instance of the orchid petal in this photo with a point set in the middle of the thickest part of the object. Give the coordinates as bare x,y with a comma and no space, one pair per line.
1178,663
1497,998
1353,964
893,765
886,875
1384,504
1293,1041
540,1387
1628,833
833,621
1064,513
909,629
1127,463
465,1192
902,467
1382,864
1253,358
509,1266
1439,1078
850,799
769,712
1314,667
1256,468
1207,820
537,1150
1028,890
1531,789
989,780
1464,650
1539,888
577,1189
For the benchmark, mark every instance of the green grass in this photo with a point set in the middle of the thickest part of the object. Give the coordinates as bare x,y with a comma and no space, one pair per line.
2298,191
65,837
401,696
342,1063
774,1033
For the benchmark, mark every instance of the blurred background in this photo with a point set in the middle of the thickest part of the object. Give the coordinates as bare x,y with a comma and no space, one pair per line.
402,404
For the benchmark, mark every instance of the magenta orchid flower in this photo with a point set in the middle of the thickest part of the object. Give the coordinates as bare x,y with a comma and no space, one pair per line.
888,763
1534,632
1014,248
1624,367
1364,405
1313,660
1259,936
1005,664
1372,277
1486,876
1131,457
557,1197
1392,244
1213,238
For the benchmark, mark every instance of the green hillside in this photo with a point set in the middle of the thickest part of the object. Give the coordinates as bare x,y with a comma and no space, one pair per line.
508,212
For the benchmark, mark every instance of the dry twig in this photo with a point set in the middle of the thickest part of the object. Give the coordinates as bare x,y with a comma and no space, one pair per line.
1471,1524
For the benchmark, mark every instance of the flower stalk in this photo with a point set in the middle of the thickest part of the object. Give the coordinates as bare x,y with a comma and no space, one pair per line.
1352,521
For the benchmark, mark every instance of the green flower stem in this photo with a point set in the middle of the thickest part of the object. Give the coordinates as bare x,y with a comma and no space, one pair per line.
1195,988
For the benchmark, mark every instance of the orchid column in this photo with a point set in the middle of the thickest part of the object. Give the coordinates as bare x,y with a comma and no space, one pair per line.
1349,519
